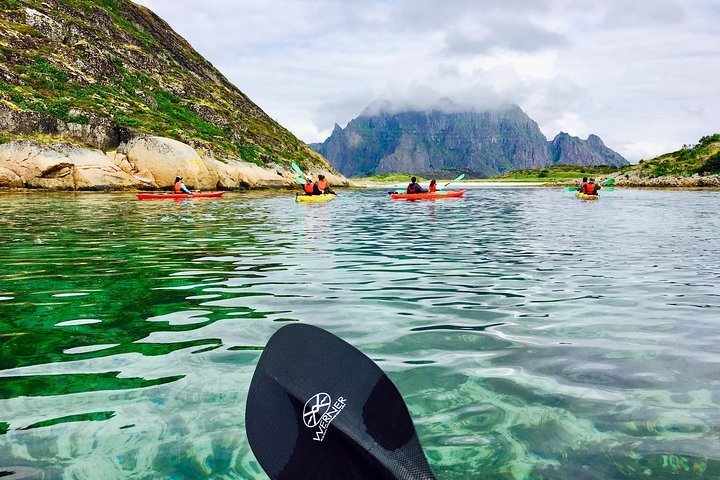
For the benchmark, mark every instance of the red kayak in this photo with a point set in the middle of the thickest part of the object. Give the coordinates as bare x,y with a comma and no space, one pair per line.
168,196
428,195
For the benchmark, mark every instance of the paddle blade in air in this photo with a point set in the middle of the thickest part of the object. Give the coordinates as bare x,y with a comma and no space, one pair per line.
319,409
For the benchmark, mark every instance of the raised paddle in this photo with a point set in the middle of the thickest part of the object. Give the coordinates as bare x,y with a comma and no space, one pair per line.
297,169
460,177
319,409
608,182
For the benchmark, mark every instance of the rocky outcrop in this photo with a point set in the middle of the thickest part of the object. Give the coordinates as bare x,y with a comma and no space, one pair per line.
10,179
635,178
62,167
95,130
144,163
104,72
449,139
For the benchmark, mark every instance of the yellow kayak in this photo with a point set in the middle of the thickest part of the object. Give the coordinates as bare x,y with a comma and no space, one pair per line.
314,198
582,196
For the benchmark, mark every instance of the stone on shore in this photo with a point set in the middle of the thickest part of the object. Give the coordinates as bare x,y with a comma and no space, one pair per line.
143,163
61,166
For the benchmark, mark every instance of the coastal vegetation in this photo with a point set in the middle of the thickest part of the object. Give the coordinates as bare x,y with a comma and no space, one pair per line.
699,159
389,178
555,173
83,62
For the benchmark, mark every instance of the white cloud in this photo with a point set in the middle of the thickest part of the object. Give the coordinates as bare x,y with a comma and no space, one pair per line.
641,75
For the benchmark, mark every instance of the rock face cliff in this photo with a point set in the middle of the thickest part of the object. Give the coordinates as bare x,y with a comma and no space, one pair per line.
449,140
571,150
103,72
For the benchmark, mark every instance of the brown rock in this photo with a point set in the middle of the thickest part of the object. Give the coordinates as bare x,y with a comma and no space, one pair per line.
9,179
63,167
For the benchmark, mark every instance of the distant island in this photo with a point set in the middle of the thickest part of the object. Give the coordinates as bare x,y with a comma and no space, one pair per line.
449,138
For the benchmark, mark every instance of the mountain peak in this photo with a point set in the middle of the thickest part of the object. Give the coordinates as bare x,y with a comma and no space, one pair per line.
443,137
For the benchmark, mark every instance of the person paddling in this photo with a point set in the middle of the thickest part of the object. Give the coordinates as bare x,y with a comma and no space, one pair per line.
433,186
582,184
590,188
179,186
309,187
415,187
322,186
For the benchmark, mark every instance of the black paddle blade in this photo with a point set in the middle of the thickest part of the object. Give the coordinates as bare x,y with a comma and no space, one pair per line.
319,409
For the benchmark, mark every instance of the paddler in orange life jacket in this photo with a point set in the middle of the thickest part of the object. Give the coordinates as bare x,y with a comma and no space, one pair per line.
433,186
179,186
322,186
590,188
415,187
582,184
309,187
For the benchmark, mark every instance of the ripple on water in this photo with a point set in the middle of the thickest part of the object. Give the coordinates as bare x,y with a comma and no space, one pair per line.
524,347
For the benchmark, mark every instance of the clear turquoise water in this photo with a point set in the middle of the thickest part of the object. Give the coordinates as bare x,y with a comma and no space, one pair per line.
532,335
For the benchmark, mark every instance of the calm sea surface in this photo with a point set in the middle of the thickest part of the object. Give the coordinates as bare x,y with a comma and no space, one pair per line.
532,335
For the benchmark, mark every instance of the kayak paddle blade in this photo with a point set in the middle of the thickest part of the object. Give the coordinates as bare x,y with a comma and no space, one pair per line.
459,177
609,181
319,409
297,169
571,189
300,180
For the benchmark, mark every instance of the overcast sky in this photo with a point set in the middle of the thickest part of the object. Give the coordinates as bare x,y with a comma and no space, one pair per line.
644,75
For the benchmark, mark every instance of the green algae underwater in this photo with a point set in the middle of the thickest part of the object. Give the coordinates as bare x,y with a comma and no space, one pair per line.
526,345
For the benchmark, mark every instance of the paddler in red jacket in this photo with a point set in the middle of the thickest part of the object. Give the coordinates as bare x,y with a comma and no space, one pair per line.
590,188
309,187
433,186
179,186
322,186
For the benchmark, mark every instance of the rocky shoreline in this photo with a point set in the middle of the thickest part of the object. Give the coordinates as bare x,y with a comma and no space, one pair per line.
635,179
142,163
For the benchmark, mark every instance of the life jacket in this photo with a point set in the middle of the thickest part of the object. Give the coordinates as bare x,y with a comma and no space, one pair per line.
309,188
177,188
433,188
412,188
322,185
590,189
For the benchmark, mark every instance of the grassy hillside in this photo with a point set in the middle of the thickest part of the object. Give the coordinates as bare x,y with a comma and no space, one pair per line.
555,173
703,158
82,60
